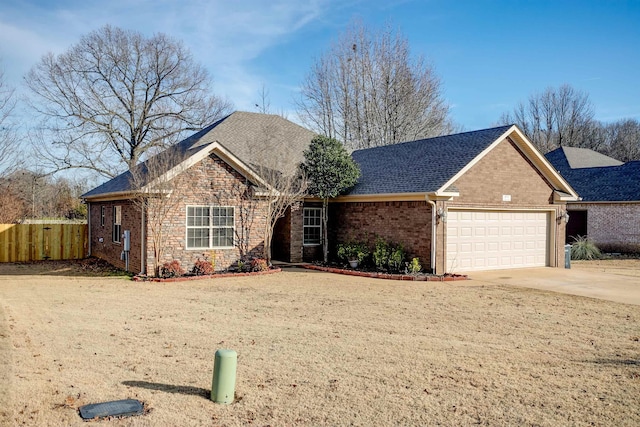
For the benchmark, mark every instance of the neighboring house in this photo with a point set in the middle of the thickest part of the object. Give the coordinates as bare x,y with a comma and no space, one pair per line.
472,201
609,210
215,169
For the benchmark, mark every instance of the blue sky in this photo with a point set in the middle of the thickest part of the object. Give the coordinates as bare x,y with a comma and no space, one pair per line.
489,54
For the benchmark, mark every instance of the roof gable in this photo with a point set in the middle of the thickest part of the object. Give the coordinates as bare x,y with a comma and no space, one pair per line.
431,166
246,141
421,166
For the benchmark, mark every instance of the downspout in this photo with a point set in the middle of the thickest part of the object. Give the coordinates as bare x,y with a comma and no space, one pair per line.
433,233
143,243
89,228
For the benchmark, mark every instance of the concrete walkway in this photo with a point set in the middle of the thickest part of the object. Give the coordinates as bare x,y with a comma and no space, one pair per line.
612,286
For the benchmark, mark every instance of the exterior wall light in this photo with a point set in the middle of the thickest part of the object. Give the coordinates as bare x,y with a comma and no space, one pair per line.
564,216
441,215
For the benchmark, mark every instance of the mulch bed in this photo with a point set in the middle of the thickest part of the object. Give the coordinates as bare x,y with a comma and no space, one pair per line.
208,276
388,276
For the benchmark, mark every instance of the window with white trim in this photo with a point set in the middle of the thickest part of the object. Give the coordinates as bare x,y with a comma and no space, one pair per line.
117,224
210,227
312,226
103,210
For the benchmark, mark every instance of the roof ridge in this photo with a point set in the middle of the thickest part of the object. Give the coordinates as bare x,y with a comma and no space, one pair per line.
451,135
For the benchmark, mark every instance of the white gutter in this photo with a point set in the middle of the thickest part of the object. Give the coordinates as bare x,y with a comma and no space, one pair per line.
143,243
433,233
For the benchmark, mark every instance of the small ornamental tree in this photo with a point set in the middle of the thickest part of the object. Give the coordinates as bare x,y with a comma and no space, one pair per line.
329,170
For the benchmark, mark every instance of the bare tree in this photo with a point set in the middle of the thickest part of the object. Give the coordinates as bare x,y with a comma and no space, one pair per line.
554,118
114,96
38,195
9,143
367,91
158,193
623,140
285,191
242,194
264,102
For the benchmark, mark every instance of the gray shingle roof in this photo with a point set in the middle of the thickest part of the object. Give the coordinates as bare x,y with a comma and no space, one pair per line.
419,166
259,140
599,184
585,158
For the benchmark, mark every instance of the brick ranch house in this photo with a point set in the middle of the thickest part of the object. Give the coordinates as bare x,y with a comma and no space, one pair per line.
608,211
476,200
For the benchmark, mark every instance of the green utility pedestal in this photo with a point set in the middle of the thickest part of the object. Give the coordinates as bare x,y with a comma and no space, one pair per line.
224,376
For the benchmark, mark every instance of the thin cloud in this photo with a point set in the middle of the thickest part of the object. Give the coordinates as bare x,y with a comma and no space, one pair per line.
224,36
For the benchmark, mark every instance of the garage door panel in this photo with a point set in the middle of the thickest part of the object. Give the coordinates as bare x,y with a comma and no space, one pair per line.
482,240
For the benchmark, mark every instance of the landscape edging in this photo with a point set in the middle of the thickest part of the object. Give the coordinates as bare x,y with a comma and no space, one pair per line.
386,276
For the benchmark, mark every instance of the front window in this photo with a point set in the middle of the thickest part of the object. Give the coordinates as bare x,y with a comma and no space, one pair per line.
312,226
210,227
102,215
117,223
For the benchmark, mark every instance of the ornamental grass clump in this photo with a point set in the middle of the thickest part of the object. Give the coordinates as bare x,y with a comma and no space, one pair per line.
584,249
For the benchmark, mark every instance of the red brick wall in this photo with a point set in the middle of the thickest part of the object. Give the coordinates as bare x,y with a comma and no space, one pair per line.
612,226
107,249
406,223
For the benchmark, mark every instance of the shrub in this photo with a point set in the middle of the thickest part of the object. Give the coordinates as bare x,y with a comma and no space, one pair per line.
353,251
396,258
259,264
171,269
241,265
414,266
381,254
387,256
202,268
583,248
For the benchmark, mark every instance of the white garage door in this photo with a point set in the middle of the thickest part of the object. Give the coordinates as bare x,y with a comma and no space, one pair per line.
488,240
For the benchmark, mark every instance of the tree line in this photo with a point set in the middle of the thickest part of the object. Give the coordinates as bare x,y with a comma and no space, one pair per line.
564,116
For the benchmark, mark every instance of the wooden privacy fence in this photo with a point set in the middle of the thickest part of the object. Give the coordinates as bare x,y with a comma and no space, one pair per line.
35,242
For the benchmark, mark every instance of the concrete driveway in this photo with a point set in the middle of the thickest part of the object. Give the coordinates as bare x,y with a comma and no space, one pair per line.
608,285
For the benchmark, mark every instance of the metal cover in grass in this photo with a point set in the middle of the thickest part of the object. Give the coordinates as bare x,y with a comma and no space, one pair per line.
116,408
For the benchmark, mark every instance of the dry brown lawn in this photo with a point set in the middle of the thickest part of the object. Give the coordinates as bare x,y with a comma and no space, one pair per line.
314,349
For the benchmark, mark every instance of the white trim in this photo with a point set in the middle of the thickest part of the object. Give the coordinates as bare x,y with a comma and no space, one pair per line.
434,233
387,197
